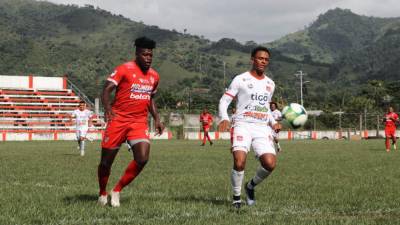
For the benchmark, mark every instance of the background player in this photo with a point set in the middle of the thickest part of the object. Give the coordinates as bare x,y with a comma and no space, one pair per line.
206,121
390,120
83,120
278,117
135,85
252,123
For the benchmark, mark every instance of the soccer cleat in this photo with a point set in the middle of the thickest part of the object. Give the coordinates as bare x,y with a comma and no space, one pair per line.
202,144
211,143
82,153
102,200
115,199
249,195
236,203
387,150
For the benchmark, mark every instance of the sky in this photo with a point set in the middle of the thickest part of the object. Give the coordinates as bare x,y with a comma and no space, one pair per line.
244,20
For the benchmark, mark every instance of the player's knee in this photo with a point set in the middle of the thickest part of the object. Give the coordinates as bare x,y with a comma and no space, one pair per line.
239,166
269,164
105,164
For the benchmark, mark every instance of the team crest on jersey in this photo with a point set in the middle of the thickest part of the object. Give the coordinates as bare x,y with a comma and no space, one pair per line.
152,80
239,138
134,75
250,86
269,88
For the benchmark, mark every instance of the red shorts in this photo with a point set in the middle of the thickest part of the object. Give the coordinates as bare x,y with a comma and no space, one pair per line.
118,131
390,131
206,128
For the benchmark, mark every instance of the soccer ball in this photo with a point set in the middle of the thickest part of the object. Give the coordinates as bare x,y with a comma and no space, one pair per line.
295,115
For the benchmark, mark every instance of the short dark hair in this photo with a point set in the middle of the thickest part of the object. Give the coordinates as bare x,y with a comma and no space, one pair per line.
145,42
274,103
82,102
259,48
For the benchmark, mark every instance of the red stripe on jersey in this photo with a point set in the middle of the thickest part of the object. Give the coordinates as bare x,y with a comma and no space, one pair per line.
229,95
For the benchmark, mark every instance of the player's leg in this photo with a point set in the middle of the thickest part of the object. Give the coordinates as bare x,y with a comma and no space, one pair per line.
114,136
240,146
265,151
78,138
82,137
138,139
208,136
204,136
237,175
278,146
268,163
387,139
141,152
103,172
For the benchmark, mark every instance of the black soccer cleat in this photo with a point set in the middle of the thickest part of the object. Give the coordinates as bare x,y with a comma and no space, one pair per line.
236,203
250,199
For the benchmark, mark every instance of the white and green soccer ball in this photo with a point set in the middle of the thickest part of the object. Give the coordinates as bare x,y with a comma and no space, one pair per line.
295,115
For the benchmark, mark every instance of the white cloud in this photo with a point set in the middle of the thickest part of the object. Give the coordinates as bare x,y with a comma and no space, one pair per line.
258,20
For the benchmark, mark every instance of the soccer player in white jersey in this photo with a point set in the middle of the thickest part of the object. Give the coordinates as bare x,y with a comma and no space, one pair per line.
253,124
278,117
83,120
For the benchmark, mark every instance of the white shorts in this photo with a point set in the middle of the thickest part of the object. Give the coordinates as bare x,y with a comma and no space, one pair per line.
257,136
81,132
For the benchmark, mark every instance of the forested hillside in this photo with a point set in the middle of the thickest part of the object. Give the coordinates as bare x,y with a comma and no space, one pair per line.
350,60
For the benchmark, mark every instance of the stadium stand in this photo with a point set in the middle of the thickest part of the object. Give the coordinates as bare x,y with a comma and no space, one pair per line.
39,106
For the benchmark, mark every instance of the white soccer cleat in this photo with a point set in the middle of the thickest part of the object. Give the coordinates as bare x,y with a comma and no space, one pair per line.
102,200
82,153
115,199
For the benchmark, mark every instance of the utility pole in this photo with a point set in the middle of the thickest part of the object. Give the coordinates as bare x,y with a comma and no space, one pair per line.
300,74
224,65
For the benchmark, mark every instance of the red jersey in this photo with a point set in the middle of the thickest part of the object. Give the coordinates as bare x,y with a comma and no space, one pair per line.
388,121
134,90
206,119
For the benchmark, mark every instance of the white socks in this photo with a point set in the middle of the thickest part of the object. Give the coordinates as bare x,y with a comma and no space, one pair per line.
237,180
261,174
82,147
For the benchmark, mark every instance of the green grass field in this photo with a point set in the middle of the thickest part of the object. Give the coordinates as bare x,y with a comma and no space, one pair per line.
316,182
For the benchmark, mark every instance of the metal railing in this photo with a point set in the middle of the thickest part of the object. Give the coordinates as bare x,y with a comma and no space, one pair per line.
80,93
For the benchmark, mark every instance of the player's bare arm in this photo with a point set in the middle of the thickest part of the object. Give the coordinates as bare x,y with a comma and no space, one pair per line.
154,112
108,88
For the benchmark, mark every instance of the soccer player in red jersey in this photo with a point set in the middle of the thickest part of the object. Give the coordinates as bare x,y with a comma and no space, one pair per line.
390,120
206,120
135,84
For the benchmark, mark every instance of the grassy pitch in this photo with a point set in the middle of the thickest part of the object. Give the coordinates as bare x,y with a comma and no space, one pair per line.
316,182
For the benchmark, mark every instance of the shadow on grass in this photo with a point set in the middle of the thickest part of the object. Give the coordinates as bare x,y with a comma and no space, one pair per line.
80,198
213,201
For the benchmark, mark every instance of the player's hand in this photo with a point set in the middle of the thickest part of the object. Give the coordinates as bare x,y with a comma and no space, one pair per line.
277,127
108,114
224,125
159,127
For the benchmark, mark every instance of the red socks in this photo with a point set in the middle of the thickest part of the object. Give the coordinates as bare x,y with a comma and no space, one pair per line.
131,172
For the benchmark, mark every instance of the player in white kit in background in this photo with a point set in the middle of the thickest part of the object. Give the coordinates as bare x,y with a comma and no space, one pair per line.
278,117
253,124
83,120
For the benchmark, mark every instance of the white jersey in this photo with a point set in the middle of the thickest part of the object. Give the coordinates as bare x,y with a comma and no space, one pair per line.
253,98
82,118
277,115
